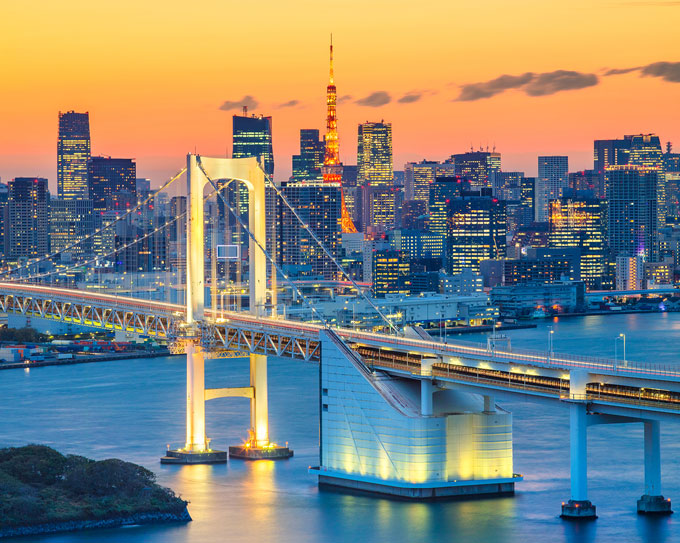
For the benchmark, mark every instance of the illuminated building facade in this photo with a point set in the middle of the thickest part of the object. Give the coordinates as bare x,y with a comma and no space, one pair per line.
307,165
319,205
588,180
508,185
391,272
418,176
444,188
70,221
112,182
417,244
580,222
73,152
476,229
381,207
552,180
4,194
633,211
374,154
478,167
26,221
252,137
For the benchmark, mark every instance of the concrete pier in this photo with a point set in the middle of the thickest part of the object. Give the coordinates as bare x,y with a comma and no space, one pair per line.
578,507
652,502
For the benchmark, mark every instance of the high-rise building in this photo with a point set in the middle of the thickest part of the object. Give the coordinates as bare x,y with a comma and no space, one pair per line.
552,179
476,229
4,195
391,272
478,167
418,176
252,137
69,222
580,221
588,180
508,185
374,154
26,218
73,152
307,165
381,207
444,189
633,211
319,205
646,151
608,153
112,183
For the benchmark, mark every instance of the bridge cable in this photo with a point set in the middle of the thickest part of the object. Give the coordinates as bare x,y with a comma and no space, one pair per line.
329,255
98,231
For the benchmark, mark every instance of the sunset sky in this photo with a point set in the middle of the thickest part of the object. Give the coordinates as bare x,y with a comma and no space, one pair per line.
154,75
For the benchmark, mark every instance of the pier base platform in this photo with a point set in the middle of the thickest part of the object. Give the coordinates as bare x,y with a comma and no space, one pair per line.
417,491
578,510
180,456
654,505
248,452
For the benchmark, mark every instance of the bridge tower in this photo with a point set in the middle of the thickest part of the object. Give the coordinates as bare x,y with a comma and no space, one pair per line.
197,448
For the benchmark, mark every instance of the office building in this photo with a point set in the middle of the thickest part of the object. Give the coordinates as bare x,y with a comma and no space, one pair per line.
508,185
374,154
26,221
418,176
630,272
476,229
391,271
527,300
587,180
252,137
579,221
478,167
112,183
70,221
606,153
307,165
551,181
319,205
4,195
417,243
73,152
444,189
633,211
381,208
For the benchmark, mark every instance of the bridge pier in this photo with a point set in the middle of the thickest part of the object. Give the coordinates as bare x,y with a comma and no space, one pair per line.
578,507
426,392
652,502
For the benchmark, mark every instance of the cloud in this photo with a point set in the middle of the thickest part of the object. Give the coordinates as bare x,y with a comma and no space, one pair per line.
410,97
559,80
531,83
619,71
289,103
487,89
344,98
668,71
247,100
375,99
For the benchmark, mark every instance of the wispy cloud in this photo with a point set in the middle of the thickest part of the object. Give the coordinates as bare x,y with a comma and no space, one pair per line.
668,71
487,89
247,100
375,99
344,98
289,103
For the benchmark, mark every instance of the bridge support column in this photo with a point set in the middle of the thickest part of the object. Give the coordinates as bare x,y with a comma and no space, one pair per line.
489,404
578,507
258,445
426,392
652,502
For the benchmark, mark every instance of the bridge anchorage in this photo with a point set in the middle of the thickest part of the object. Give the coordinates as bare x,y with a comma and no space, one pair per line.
199,330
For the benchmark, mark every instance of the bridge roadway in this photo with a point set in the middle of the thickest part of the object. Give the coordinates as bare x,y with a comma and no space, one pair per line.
651,389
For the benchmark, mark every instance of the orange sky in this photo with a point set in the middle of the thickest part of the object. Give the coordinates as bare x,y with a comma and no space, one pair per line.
153,75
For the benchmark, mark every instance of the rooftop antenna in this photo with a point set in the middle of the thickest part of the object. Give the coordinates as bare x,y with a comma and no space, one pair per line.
669,147
245,111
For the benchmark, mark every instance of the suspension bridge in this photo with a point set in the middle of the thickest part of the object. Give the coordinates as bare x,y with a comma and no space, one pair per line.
401,413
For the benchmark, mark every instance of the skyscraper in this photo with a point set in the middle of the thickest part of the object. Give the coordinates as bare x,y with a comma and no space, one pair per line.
252,137
4,194
374,154
609,153
307,165
476,229
73,152
580,221
646,151
26,218
318,205
418,176
552,179
478,167
633,211
112,182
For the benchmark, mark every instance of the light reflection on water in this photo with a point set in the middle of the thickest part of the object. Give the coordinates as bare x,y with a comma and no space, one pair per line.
131,409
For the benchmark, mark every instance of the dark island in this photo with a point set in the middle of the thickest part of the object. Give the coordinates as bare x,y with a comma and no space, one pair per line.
43,491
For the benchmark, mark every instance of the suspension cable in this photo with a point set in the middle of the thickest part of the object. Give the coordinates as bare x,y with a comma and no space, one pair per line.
329,255
263,249
89,236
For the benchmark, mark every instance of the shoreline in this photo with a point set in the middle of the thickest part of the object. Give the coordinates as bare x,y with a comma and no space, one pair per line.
79,525
85,359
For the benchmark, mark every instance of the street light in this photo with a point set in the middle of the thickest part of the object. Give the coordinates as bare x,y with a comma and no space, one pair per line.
622,337
550,341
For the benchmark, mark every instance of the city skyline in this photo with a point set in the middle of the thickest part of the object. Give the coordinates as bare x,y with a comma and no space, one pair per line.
437,107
